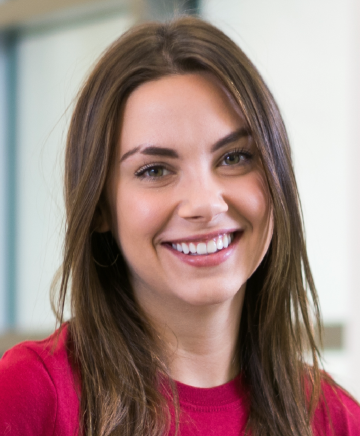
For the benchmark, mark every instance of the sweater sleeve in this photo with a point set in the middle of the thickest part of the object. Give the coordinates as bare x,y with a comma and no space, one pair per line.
28,398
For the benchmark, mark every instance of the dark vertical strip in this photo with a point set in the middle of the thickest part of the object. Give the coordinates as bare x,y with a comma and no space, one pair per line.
192,7
10,39
164,10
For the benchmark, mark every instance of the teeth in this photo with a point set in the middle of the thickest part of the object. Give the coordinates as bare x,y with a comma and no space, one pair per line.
192,248
209,247
201,248
185,248
225,241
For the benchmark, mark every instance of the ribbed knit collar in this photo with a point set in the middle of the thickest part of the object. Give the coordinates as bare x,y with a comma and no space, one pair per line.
218,396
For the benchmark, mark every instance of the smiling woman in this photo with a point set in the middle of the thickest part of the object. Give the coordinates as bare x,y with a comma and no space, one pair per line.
197,183
190,287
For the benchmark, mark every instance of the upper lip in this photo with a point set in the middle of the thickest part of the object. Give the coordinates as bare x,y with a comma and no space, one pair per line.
202,237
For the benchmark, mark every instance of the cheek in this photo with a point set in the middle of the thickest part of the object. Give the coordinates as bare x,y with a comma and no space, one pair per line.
254,205
253,201
139,216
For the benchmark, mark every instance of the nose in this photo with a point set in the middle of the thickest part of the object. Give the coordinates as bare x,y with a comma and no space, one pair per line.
202,201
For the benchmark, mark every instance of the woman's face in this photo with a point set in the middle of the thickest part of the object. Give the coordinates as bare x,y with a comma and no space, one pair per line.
189,205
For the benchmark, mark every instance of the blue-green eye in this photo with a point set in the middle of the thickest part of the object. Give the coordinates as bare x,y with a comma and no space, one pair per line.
232,159
152,172
236,157
155,172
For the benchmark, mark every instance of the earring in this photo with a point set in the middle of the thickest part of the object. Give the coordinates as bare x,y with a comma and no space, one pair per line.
106,266
101,241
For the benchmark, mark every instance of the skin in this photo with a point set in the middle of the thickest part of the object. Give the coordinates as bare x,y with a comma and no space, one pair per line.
195,310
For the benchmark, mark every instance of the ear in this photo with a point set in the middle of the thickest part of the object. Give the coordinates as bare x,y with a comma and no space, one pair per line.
101,219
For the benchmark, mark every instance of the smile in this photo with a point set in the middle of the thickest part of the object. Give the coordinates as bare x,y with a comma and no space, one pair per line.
205,247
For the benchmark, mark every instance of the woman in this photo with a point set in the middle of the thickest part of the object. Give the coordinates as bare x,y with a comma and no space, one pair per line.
184,256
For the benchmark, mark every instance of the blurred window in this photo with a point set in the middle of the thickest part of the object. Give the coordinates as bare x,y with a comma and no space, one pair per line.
51,65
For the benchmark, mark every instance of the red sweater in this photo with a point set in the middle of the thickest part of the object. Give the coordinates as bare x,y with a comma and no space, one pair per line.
39,397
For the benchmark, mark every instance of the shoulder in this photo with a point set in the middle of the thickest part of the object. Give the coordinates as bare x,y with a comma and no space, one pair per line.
38,389
337,414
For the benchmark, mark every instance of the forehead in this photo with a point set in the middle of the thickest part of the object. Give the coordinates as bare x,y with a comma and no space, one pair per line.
180,108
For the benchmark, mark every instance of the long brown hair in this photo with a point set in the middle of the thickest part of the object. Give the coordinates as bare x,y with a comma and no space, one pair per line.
113,344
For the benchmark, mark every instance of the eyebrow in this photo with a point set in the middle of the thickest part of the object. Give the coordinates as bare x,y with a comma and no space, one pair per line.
232,137
153,150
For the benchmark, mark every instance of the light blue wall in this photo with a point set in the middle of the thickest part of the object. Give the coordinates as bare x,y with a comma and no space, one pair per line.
52,65
2,184
8,148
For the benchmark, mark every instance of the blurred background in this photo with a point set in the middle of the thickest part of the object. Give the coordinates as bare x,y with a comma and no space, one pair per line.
308,53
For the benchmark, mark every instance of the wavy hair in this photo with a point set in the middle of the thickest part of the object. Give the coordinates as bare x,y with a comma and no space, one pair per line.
113,345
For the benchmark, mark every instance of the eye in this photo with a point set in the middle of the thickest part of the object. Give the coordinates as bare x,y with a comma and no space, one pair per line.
155,172
152,172
236,157
232,159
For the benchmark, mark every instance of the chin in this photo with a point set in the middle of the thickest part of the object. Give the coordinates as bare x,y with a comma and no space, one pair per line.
209,295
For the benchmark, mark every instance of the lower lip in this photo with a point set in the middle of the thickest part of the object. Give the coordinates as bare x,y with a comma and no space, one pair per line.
206,260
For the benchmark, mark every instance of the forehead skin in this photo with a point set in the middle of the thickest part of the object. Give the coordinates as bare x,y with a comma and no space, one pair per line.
145,107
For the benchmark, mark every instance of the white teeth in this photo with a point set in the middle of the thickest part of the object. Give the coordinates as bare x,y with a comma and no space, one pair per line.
201,248
192,248
208,247
225,241
185,248
211,247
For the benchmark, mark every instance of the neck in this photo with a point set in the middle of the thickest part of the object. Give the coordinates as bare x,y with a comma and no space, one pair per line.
201,341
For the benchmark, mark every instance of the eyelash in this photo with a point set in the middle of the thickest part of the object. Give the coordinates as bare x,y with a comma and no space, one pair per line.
244,153
140,173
